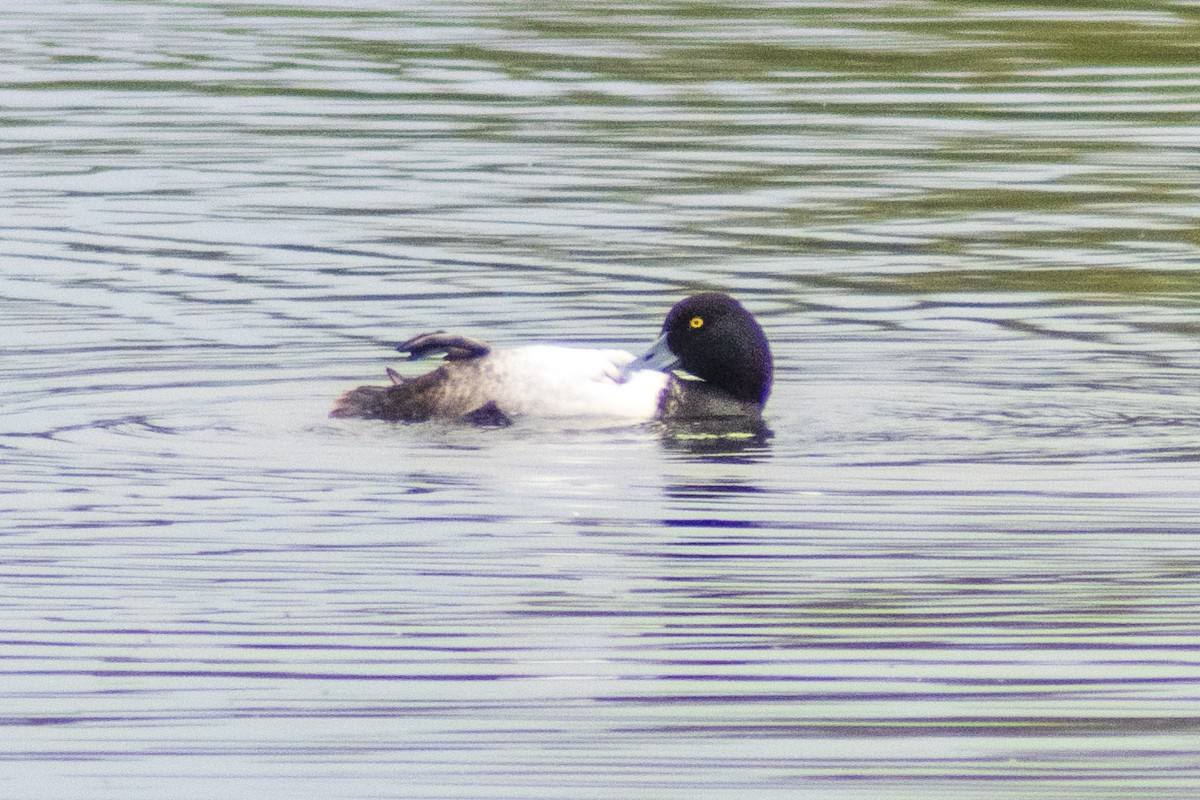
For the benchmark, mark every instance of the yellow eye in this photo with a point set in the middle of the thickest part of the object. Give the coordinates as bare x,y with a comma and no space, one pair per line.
697,322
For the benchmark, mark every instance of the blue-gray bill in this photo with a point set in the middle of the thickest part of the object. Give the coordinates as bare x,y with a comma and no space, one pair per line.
658,357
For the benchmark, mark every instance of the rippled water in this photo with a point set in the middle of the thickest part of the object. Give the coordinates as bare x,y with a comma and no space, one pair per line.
965,564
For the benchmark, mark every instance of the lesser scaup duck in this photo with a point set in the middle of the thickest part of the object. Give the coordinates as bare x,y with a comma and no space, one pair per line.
711,336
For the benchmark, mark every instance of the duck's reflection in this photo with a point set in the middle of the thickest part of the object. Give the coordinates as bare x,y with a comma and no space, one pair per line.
718,438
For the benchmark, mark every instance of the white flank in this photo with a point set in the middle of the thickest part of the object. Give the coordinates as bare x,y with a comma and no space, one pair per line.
543,380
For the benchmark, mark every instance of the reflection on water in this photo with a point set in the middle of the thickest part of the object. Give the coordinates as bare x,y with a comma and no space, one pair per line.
963,561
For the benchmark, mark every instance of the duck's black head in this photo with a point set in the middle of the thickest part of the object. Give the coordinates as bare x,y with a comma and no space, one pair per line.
715,338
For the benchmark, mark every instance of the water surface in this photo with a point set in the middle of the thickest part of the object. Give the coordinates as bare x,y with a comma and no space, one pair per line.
965,564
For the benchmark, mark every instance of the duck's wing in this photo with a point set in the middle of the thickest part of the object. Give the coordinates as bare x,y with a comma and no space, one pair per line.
453,346
452,390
